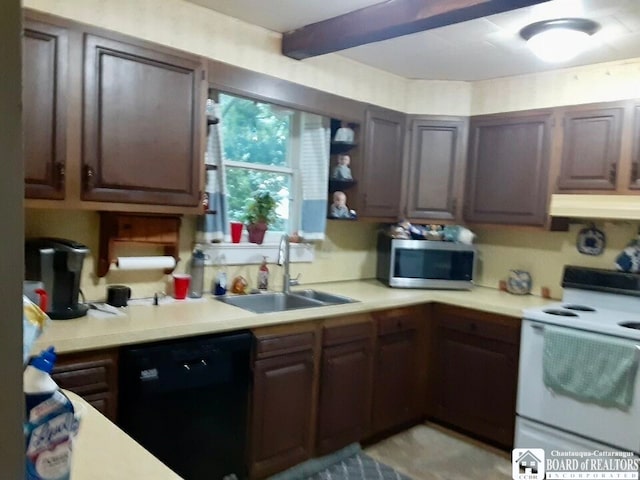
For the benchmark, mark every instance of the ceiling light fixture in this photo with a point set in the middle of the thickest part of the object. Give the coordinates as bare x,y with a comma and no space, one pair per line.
560,39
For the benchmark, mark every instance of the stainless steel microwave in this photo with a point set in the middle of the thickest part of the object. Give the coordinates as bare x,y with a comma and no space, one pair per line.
425,263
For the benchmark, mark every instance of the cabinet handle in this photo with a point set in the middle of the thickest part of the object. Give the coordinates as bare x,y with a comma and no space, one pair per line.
88,178
60,173
634,172
454,206
612,173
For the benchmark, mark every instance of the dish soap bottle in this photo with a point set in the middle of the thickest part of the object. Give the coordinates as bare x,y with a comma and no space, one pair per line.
220,287
263,275
51,423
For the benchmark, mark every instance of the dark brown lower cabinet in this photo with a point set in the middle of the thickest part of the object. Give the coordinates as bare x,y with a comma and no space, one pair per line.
475,369
282,403
345,386
398,380
93,376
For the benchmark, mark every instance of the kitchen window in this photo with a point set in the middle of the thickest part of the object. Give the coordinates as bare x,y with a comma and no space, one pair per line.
258,145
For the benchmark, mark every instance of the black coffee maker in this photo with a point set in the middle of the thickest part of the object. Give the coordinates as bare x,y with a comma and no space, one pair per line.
57,263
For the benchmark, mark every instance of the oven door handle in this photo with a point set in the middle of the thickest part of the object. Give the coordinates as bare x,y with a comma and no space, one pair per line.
537,326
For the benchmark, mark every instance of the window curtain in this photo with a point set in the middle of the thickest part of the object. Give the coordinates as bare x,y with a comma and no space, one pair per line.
213,226
315,145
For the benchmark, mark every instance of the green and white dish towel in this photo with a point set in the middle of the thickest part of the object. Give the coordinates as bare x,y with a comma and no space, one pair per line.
590,367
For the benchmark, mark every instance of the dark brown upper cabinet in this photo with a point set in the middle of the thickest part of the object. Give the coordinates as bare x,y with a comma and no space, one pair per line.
45,63
591,149
634,183
381,183
143,122
436,168
508,168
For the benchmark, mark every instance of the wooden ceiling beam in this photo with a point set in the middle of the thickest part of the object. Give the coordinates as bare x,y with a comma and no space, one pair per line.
386,20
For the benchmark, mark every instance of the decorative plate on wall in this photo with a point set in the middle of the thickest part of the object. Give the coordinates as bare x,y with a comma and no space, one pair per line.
591,241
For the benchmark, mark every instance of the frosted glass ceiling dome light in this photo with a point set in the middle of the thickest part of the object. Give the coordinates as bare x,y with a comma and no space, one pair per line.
561,39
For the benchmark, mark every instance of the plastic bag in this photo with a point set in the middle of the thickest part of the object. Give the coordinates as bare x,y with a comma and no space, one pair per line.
33,322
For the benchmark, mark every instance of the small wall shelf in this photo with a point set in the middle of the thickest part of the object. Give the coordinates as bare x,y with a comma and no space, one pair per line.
157,230
340,185
341,147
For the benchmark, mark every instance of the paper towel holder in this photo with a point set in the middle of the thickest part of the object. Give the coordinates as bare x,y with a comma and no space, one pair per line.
138,228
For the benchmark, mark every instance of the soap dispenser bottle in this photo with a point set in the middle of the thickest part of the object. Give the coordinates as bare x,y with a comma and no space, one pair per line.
263,275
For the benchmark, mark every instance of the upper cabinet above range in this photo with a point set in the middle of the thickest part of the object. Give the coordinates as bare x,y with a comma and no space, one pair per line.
590,149
598,148
111,122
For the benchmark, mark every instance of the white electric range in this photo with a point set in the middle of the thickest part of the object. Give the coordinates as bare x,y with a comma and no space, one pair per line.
606,305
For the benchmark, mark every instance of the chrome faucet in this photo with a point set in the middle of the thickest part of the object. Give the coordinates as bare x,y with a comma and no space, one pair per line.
284,252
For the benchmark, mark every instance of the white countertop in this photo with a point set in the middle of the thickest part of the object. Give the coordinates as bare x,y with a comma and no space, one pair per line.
145,323
104,452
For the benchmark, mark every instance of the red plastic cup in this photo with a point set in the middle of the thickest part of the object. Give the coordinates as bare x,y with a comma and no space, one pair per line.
181,283
236,232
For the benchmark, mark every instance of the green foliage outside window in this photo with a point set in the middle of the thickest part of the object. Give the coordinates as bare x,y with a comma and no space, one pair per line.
255,133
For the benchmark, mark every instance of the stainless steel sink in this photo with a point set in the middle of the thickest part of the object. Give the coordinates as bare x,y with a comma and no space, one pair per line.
271,302
281,302
328,298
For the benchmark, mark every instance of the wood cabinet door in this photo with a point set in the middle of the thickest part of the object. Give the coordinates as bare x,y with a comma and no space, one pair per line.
394,381
381,184
345,395
508,170
591,149
634,183
143,117
281,413
476,371
45,63
93,376
436,161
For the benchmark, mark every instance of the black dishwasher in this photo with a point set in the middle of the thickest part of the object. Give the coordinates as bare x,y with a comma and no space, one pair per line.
186,402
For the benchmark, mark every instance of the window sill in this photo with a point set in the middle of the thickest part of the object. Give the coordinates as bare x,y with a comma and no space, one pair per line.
253,254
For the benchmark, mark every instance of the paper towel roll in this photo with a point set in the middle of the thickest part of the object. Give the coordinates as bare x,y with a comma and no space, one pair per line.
145,263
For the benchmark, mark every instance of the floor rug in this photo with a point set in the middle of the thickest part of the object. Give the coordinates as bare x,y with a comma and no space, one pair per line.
350,463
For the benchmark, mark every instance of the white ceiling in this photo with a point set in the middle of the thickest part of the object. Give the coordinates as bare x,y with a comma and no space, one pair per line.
475,50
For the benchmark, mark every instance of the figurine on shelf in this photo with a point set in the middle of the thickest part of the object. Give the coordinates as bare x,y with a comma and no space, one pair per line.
339,207
342,170
344,134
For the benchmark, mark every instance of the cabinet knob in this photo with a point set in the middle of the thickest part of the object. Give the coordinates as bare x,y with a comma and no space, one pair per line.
60,173
613,173
89,177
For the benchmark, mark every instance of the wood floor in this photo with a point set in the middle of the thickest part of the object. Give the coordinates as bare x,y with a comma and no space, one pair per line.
430,452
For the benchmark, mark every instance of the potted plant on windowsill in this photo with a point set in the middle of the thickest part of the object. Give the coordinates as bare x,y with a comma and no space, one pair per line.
260,212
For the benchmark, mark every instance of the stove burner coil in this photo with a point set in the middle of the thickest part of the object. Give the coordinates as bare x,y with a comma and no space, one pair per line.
634,325
579,308
559,312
